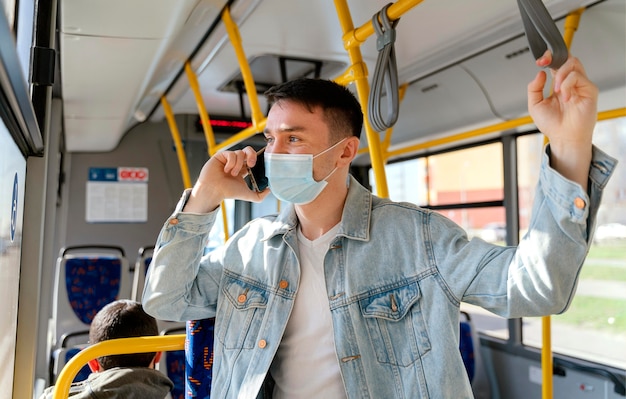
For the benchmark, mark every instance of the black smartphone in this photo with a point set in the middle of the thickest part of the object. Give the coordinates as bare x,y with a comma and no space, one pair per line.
256,178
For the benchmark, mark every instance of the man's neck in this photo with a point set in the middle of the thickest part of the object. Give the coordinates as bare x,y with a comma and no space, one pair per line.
324,213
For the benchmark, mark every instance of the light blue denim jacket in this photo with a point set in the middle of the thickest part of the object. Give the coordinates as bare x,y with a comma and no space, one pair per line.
395,276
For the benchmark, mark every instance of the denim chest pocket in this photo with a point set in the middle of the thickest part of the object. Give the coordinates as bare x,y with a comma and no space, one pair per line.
240,313
396,326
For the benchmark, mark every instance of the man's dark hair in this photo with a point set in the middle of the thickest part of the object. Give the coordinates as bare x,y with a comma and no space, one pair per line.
342,110
123,319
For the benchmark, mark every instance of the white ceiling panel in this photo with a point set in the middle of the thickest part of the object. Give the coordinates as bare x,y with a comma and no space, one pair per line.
110,72
93,134
118,57
147,19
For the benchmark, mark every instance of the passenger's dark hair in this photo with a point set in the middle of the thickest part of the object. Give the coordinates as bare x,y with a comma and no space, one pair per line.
342,110
123,319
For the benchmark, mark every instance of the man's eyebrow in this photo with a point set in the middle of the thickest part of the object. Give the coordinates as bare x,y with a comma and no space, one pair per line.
286,129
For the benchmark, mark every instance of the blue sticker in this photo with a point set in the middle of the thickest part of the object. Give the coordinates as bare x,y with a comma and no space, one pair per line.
103,174
14,208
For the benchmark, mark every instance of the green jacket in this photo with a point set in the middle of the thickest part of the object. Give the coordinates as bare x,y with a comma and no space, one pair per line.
118,382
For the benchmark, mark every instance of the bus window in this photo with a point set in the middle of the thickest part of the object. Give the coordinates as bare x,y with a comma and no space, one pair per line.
12,172
594,326
447,181
466,176
407,181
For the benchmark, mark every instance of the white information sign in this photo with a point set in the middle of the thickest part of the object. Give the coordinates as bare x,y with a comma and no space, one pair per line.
117,195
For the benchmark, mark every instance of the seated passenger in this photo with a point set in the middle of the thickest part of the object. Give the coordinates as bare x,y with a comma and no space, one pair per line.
121,376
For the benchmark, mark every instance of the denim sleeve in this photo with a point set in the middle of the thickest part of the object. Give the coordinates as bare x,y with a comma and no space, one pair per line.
539,276
181,284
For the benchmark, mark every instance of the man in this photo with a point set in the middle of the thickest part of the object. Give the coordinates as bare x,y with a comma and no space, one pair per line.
344,294
121,376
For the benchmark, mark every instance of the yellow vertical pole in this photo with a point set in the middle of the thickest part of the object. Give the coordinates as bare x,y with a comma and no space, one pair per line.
352,39
244,66
204,116
546,358
547,366
180,152
209,135
363,89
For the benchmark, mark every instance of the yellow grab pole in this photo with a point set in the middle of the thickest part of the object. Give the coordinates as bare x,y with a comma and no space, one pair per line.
244,66
352,39
180,152
546,358
204,116
612,114
209,135
362,88
571,25
513,123
547,391
242,135
114,347
462,136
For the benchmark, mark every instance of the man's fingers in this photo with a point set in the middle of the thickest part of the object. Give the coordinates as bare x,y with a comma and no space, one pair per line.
250,156
535,89
234,161
572,65
544,60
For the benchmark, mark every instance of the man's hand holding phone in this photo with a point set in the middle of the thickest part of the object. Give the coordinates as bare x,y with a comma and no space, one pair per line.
224,176
256,179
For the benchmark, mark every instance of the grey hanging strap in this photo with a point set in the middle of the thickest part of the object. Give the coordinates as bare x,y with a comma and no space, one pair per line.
386,73
541,32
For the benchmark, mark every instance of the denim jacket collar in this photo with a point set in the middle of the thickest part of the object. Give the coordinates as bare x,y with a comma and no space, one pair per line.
355,220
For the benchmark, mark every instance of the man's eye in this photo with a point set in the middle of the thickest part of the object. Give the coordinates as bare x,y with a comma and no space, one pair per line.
268,139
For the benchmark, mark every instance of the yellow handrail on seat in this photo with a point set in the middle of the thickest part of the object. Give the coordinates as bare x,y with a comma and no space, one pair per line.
114,347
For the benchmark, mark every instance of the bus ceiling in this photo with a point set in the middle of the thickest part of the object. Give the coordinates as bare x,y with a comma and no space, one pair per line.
466,63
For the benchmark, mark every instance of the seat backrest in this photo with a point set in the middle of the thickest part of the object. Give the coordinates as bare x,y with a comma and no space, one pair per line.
173,365
469,346
60,357
144,257
199,357
87,278
466,347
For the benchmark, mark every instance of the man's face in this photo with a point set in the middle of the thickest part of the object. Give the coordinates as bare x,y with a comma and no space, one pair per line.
292,129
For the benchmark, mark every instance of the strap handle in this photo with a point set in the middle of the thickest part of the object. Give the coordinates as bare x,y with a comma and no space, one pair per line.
386,73
541,32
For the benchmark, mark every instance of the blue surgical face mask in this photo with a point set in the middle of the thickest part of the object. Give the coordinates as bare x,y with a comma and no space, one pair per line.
291,176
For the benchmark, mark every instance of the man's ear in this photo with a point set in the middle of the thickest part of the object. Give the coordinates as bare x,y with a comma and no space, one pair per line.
94,365
155,360
350,150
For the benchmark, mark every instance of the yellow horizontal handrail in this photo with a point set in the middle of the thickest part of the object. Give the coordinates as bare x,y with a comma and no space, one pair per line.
612,114
241,136
359,35
463,135
501,126
114,347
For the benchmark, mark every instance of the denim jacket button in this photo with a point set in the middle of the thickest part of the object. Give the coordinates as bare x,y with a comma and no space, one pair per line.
241,298
579,203
283,284
262,344
173,221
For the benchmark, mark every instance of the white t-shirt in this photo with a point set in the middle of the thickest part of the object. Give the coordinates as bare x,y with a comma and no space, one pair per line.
306,364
